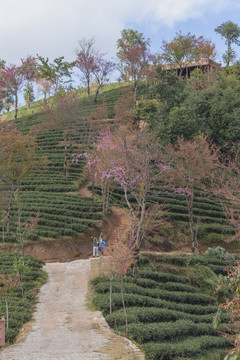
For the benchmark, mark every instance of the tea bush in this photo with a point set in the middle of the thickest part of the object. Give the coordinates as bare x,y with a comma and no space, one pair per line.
20,309
167,314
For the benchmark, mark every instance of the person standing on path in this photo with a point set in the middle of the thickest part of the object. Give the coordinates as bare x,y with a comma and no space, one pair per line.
101,244
95,246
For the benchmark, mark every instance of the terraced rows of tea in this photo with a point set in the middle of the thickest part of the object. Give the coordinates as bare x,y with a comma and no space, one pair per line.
167,316
20,308
63,213
213,224
52,193
49,191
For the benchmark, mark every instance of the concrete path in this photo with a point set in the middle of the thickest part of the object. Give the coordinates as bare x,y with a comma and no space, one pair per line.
64,328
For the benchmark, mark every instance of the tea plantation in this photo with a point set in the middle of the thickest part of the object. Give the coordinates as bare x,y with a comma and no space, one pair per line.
64,213
213,227
169,315
49,191
20,308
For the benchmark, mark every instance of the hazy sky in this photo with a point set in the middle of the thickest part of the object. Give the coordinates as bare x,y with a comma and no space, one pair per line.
53,27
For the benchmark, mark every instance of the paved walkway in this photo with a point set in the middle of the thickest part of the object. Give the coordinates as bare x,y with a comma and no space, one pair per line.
64,328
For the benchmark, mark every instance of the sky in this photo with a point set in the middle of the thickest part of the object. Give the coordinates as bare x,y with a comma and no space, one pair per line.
52,28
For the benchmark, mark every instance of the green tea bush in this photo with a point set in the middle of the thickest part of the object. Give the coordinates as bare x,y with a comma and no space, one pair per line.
152,314
102,303
20,309
175,296
187,348
162,277
165,331
203,277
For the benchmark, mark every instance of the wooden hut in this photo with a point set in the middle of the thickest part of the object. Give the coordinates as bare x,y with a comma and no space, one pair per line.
185,68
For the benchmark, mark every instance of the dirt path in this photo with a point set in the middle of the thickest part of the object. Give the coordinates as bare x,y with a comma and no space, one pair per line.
64,328
83,189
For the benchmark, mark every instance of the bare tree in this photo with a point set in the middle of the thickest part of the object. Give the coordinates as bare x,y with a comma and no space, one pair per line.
101,72
87,56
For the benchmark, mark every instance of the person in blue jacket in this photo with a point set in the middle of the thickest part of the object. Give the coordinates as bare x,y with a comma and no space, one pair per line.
102,244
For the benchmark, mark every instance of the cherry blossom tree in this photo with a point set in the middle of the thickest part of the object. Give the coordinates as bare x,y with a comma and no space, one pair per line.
133,162
87,58
93,65
194,162
13,78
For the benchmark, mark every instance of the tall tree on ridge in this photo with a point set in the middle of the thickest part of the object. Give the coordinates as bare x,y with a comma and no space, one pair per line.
133,54
231,33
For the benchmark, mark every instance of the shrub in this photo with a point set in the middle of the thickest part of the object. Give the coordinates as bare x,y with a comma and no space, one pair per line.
152,314
20,309
203,277
174,296
166,331
102,303
189,347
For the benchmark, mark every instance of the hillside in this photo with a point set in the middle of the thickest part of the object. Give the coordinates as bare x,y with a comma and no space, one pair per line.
170,308
64,213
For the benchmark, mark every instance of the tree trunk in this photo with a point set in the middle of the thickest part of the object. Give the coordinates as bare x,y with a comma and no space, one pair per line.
22,248
96,95
191,222
21,281
135,93
124,307
9,209
65,159
16,107
135,264
93,186
6,301
229,52
105,195
88,85
110,296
